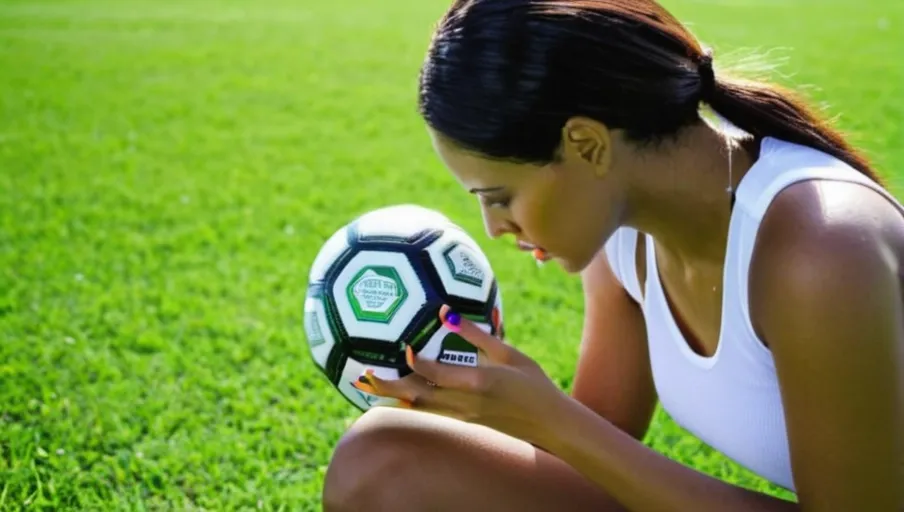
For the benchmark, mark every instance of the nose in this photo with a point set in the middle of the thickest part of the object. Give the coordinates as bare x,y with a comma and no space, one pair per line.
497,224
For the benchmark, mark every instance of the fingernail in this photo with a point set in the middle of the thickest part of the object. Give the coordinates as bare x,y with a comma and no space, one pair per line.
409,355
364,386
365,378
451,319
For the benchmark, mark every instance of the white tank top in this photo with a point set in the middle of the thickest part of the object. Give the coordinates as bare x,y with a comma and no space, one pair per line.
731,401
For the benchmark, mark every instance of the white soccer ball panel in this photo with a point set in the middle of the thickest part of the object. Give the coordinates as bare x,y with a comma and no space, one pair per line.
377,294
350,373
400,220
462,266
320,338
328,255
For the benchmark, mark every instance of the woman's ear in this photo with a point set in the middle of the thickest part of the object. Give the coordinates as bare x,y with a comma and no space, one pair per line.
587,143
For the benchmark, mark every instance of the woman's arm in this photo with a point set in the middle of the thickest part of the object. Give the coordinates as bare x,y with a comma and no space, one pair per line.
640,478
613,376
827,296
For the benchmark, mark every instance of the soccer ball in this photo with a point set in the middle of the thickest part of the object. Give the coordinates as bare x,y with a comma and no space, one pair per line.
378,283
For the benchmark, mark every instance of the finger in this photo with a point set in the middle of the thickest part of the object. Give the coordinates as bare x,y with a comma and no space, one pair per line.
495,349
415,392
406,389
448,376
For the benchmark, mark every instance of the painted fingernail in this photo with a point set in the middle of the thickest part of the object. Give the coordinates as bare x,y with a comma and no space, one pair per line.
363,385
409,355
451,319
367,377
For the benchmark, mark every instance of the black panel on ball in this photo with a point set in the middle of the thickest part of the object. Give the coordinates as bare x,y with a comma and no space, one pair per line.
425,323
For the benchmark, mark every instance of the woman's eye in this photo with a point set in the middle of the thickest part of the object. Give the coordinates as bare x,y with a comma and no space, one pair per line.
496,202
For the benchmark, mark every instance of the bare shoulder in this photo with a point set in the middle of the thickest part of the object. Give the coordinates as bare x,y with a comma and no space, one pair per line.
825,294
822,237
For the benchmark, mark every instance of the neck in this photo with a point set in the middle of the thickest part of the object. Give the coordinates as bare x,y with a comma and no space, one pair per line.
683,199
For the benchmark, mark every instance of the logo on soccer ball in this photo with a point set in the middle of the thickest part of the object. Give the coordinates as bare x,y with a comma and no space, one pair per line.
375,293
463,265
456,350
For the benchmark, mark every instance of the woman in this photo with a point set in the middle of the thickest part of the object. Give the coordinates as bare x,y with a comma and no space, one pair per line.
750,282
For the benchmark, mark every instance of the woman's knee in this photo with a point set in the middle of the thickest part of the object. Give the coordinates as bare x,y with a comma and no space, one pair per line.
398,459
374,463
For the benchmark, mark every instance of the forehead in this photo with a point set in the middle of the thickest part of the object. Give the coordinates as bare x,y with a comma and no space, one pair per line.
474,171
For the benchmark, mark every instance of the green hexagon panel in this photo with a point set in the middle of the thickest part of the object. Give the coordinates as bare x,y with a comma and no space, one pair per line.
375,293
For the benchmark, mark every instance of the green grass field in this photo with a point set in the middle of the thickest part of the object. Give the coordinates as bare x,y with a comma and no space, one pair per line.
168,171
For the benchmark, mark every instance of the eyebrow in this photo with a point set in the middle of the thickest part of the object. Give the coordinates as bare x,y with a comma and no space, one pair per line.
486,189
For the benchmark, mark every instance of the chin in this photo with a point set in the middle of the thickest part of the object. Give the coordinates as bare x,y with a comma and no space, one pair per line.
573,265
568,265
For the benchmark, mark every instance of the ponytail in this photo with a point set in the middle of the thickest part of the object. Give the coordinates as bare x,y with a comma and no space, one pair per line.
766,110
502,77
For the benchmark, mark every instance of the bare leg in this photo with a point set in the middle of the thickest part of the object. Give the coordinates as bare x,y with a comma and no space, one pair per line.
399,460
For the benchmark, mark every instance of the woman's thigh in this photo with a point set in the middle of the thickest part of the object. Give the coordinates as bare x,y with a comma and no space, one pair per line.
397,459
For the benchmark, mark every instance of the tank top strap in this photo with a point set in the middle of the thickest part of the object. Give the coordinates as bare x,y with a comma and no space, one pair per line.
621,251
782,164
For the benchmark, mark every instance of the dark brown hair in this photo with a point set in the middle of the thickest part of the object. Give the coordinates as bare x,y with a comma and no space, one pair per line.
501,77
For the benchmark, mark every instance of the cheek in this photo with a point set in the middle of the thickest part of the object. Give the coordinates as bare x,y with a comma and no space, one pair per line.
545,213
570,217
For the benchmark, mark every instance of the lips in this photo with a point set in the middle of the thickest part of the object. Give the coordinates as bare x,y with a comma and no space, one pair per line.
540,254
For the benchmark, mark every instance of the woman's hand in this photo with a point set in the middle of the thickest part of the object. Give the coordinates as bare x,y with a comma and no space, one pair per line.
508,391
